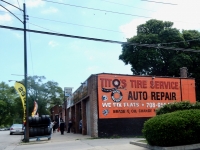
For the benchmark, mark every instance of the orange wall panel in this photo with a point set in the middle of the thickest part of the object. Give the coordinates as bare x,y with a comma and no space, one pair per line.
188,90
121,96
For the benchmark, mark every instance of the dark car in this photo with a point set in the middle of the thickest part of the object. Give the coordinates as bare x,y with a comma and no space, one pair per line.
16,129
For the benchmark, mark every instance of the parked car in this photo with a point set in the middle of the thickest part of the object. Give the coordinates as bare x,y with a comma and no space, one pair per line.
7,128
2,129
16,129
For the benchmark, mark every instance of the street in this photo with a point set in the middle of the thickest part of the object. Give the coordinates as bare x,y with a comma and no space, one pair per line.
68,141
7,140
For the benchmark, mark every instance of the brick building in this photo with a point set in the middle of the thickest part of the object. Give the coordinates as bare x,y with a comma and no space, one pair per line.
118,105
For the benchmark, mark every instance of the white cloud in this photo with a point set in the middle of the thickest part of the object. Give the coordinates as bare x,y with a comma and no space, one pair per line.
5,18
53,44
50,10
34,3
130,29
184,15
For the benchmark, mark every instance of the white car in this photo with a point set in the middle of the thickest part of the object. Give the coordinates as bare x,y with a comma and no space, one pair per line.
2,129
16,129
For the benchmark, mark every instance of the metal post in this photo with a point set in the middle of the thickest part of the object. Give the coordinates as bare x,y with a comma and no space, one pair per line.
26,135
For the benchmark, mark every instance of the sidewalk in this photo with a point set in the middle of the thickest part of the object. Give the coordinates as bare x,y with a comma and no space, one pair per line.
77,141
57,137
68,136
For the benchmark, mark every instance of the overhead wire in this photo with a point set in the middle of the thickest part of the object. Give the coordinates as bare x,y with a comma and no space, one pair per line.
84,25
18,4
11,13
115,12
109,11
112,11
104,40
41,27
159,2
126,5
70,23
101,28
29,35
197,39
76,24
158,44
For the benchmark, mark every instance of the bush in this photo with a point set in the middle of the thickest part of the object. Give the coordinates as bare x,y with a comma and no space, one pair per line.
173,129
184,105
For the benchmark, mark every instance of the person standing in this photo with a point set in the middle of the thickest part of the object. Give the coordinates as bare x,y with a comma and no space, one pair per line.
69,126
54,126
80,126
51,126
62,127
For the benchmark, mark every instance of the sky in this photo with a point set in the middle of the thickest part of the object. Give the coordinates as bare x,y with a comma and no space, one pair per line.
70,61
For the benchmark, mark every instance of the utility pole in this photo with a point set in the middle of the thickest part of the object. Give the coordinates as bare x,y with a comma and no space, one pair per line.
26,136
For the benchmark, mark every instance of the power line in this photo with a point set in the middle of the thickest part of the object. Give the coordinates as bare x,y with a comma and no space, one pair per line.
104,40
11,13
64,35
11,5
30,50
197,39
70,23
158,2
85,25
110,11
76,24
95,28
164,47
19,7
18,4
126,5
41,27
97,9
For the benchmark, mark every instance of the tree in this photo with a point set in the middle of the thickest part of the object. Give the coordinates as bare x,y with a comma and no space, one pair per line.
45,94
7,111
162,62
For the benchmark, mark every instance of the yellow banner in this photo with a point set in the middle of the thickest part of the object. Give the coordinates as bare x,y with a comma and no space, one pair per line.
22,92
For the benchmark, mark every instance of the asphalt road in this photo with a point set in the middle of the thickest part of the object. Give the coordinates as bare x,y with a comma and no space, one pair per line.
7,140
67,141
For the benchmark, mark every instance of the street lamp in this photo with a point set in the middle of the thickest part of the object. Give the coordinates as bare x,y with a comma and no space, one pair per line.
26,136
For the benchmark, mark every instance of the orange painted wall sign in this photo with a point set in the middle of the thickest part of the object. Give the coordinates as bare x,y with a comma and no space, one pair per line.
121,96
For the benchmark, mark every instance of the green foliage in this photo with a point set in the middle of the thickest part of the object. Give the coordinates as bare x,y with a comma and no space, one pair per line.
7,95
173,129
184,105
162,62
46,94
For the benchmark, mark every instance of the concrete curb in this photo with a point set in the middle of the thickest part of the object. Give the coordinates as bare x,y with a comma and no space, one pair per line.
183,147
